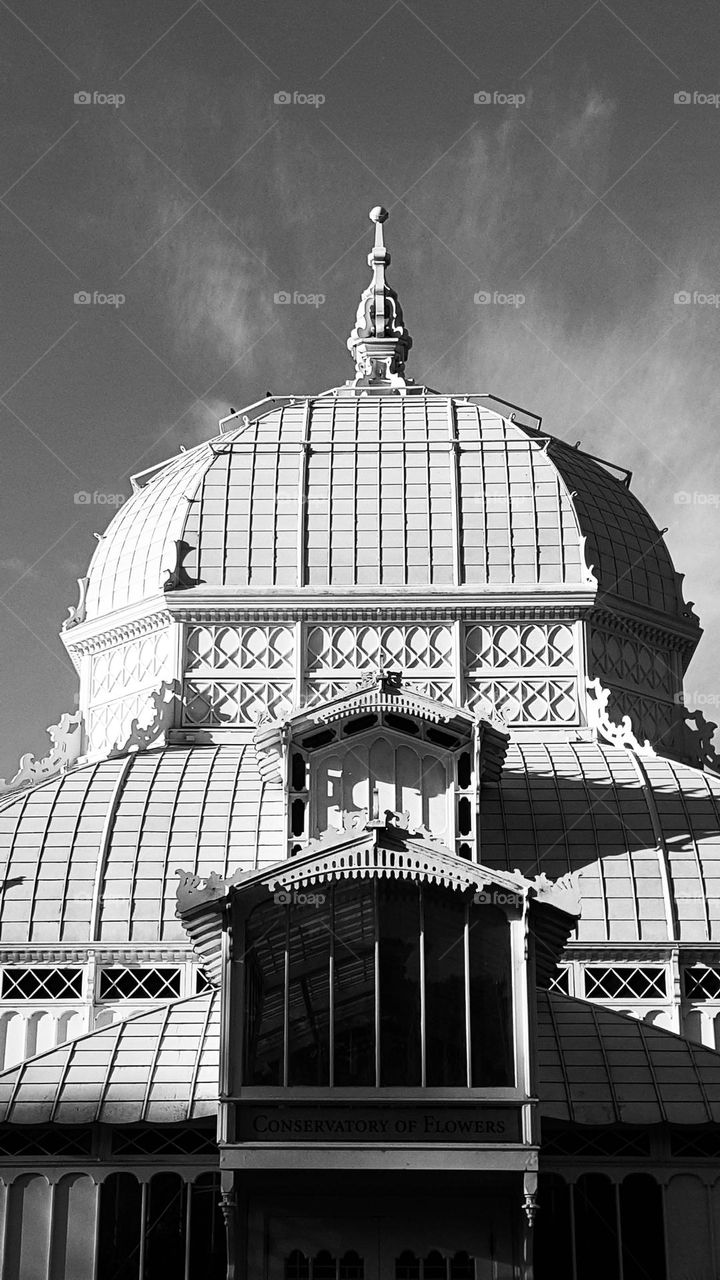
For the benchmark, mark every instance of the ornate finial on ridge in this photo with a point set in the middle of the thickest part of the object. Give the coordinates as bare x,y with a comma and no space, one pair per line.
379,342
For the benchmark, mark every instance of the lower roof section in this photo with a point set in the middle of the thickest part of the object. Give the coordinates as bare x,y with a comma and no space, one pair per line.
91,855
162,1067
157,1067
598,1067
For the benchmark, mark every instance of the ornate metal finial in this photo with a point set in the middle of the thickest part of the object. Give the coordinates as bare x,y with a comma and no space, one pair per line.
379,343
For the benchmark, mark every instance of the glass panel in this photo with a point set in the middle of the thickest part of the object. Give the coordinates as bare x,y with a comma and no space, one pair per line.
297,1266
324,1267
165,1227
553,1230
399,931
207,1229
352,1267
641,1222
264,994
462,1267
309,1003
354,986
119,1236
596,1228
444,914
407,1266
435,1268
490,997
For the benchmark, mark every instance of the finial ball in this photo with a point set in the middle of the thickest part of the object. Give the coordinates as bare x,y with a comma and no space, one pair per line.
378,214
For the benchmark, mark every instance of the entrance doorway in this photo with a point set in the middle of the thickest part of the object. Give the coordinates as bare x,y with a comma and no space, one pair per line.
390,1239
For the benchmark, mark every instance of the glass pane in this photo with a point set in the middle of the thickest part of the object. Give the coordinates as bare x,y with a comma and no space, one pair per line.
490,997
324,1267
641,1221
119,1242
264,994
444,914
352,1267
354,934
399,929
596,1228
207,1229
462,1267
309,1003
553,1230
407,1266
435,1268
297,1266
165,1227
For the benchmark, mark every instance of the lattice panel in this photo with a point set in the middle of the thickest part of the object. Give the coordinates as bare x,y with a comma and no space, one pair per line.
607,1143
162,1142
37,1141
410,648
110,723
657,721
561,982
626,660
240,649
625,982
702,982
134,665
528,647
41,984
217,703
526,701
139,984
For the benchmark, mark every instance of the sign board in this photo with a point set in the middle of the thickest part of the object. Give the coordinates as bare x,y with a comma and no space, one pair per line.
386,1123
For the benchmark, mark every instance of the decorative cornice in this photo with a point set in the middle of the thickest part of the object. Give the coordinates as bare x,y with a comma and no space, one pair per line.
380,691
512,603
624,624
67,740
392,848
117,635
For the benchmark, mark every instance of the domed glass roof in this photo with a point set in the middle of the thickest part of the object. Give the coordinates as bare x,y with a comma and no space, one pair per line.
367,492
382,486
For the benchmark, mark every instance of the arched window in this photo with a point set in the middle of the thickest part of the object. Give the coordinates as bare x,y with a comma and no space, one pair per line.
378,982
375,763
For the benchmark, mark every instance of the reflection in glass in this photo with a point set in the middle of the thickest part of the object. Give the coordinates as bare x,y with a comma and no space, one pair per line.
490,997
444,921
399,953
318,1013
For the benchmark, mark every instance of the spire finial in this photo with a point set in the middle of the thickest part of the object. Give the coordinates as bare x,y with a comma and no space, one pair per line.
379,342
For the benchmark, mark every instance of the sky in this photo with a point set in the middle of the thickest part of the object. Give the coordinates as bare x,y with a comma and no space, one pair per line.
179,165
